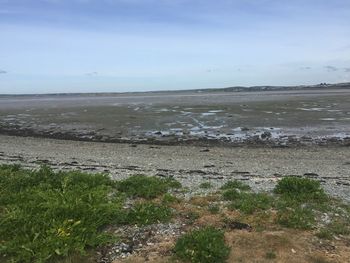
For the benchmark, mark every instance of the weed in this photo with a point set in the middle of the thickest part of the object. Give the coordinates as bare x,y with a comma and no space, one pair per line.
296,217
235,184
231,194
300,189
249,203
169,198
148,213
146,187
47,215
206,245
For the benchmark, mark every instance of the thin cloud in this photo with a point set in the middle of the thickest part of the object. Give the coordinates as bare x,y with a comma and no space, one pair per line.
305,68
331,68
347,69
91,74
3,71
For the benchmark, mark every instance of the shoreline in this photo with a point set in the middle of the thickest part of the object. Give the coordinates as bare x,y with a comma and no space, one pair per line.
260,167
286,141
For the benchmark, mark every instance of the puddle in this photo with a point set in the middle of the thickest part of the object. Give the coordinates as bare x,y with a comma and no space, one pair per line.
208,113
312,109
215,111
327,119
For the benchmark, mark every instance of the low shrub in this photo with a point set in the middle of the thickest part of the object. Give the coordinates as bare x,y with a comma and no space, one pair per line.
206,245
300,189
231,194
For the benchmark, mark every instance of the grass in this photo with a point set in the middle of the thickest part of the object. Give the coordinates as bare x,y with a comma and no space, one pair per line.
45,215
300,189
205,245
169,199
148,213
249,203
192,216
246,202
243,200
335,228
49,216
214,209
296,217
64,216
235,184
299,200
146,187
231,194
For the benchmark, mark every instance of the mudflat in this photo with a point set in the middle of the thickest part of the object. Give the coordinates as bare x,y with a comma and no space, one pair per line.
273,118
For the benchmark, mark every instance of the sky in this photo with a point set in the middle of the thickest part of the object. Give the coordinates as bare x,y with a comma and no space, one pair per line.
59,46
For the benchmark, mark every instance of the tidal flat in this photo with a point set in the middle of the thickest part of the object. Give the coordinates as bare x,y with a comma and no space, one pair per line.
267,118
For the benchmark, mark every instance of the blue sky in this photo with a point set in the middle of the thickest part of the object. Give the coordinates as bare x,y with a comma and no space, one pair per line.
134,45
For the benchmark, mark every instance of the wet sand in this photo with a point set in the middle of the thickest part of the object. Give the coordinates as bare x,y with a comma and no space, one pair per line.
267,118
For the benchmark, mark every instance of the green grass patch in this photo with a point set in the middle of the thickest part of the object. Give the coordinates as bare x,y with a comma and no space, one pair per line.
46,214
235,184
206,245
148,213
296,217
170,199
249,203
146,187
300,189
231,194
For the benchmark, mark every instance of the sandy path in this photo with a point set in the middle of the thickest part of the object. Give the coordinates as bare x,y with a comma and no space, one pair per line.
260,167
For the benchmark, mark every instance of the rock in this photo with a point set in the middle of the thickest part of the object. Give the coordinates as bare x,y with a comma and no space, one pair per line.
266,135
238,225
311,174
